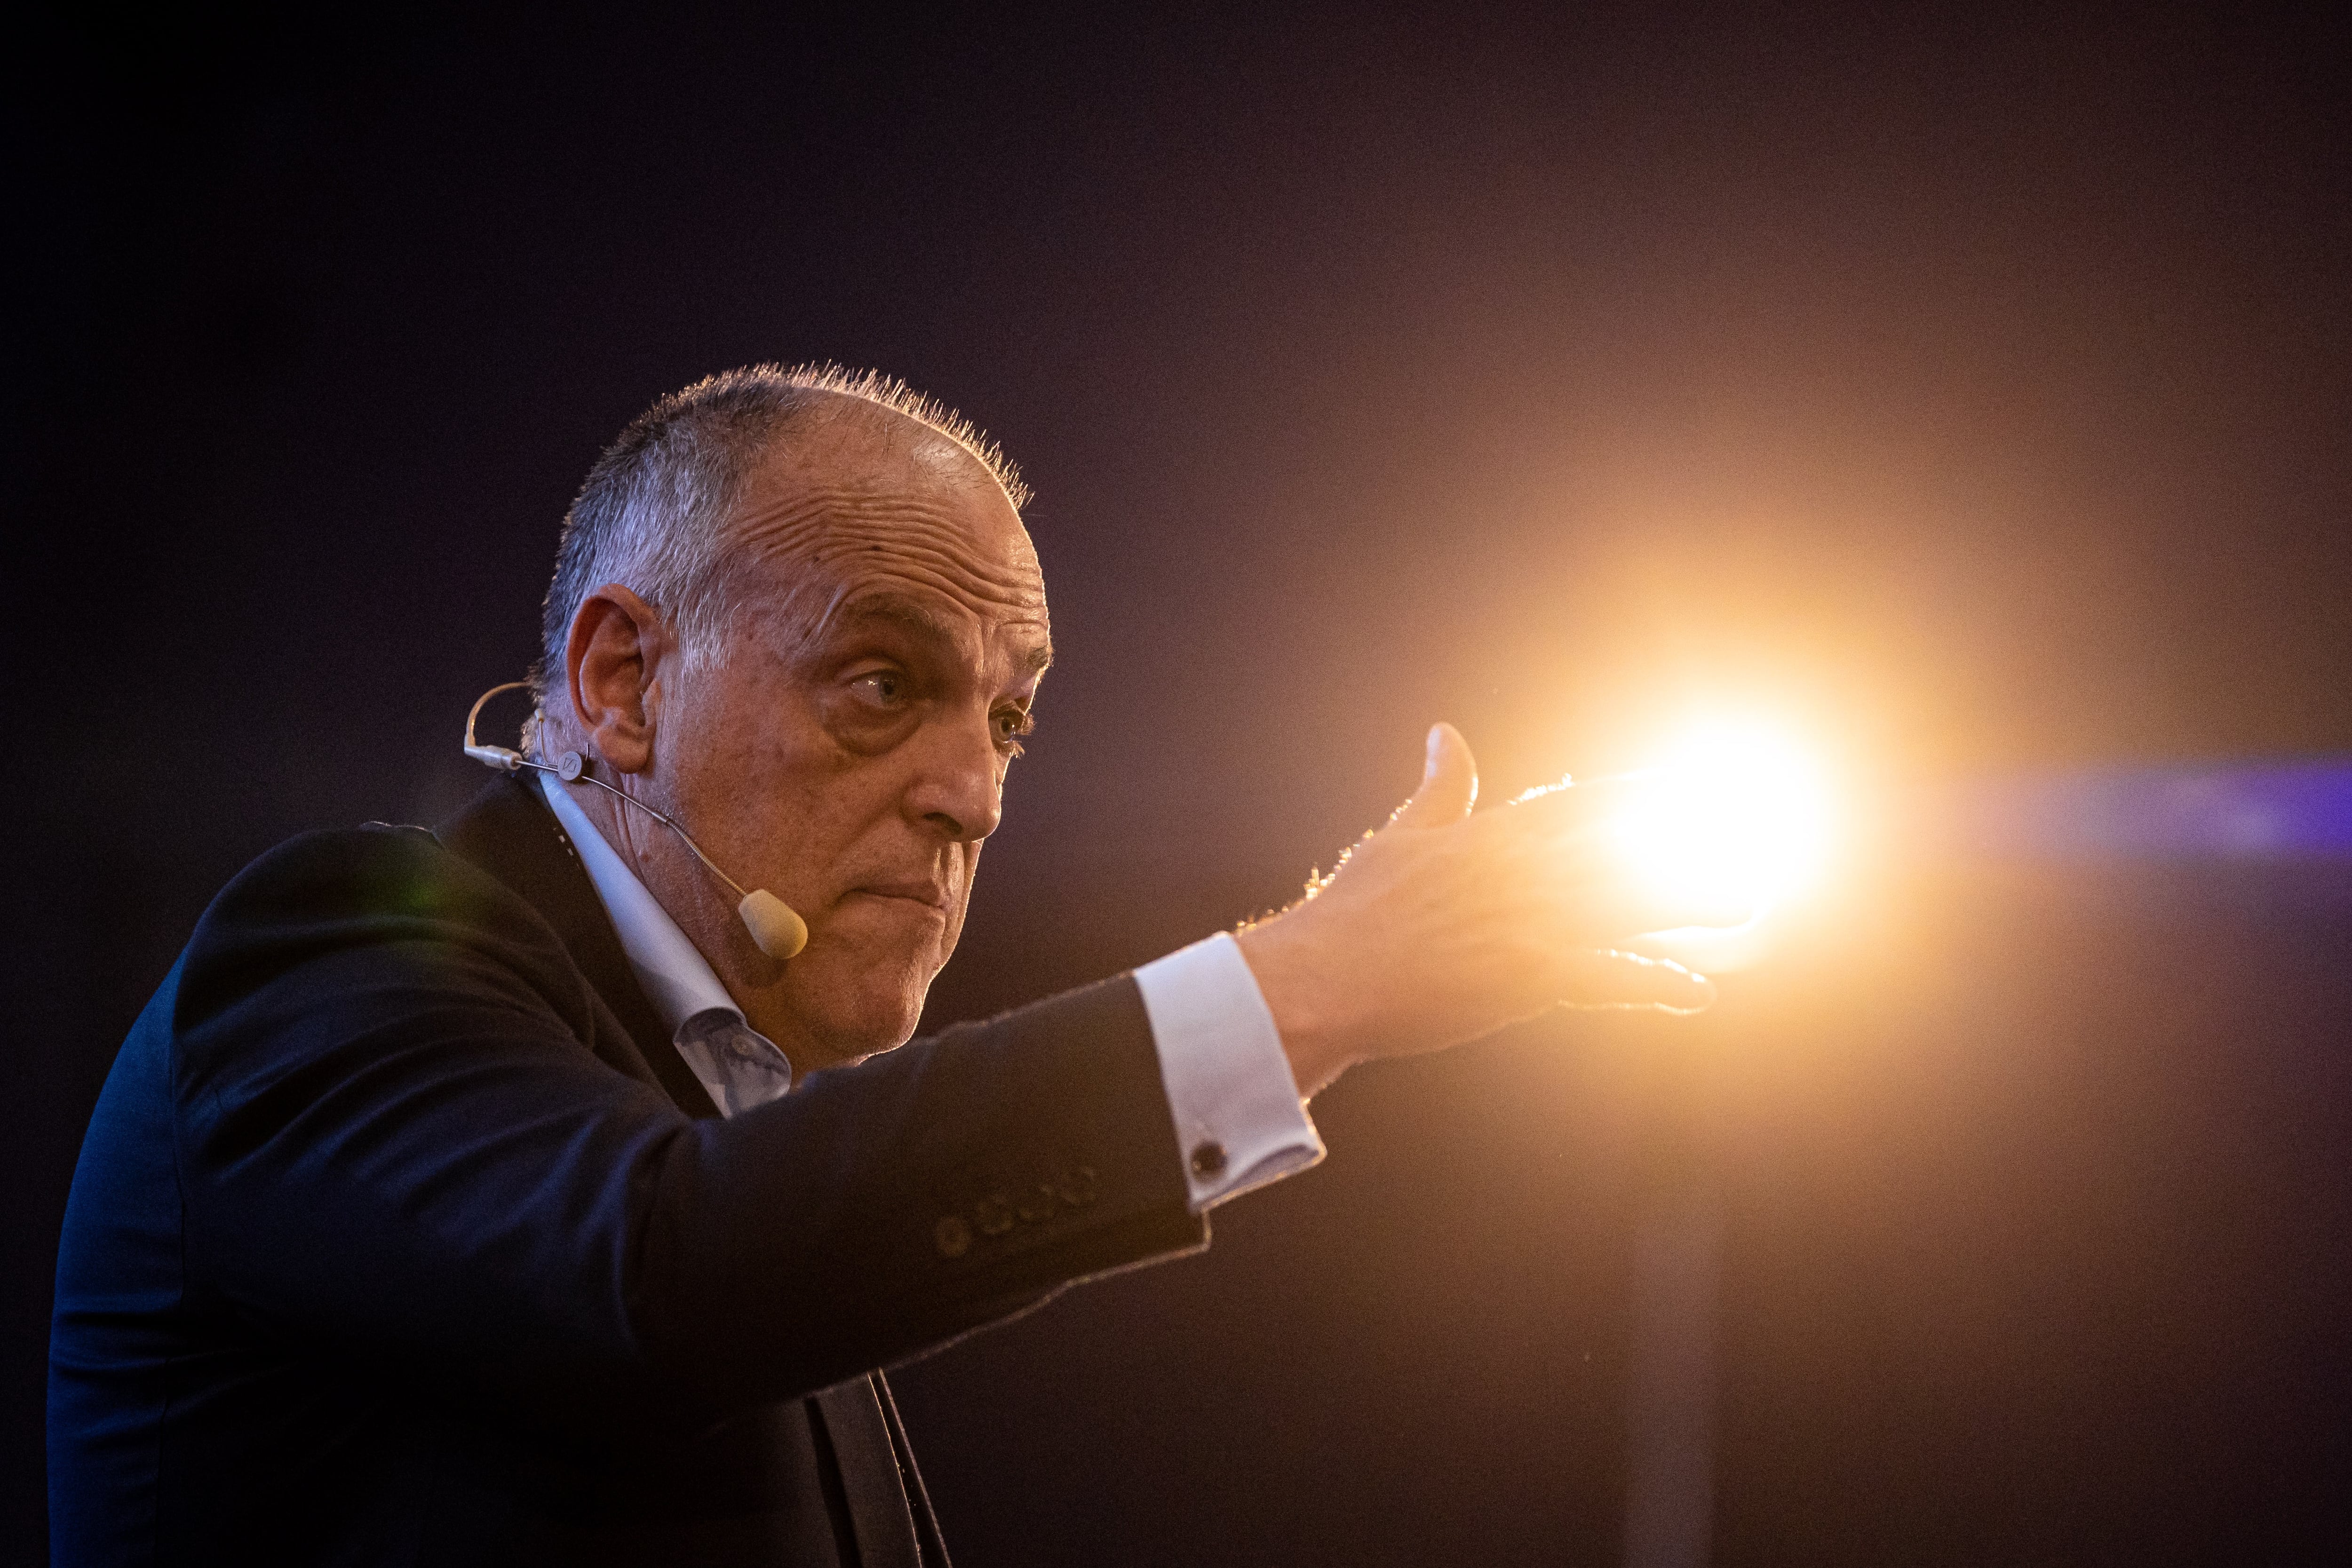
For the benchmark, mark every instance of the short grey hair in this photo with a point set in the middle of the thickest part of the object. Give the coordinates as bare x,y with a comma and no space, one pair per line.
653,512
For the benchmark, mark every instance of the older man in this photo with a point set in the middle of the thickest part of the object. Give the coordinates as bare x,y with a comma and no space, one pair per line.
497,1196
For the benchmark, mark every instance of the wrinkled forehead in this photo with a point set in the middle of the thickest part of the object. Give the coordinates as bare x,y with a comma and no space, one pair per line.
852,522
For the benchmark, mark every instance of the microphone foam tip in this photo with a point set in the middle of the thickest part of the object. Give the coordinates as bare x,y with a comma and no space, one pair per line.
774,925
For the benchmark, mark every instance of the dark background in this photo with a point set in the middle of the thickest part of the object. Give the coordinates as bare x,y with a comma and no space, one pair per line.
1967,388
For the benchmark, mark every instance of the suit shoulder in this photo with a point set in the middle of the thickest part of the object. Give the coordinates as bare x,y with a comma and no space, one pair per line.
377,868
347,890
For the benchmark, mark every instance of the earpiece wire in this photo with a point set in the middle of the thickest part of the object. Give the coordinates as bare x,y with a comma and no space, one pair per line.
519,761
683,836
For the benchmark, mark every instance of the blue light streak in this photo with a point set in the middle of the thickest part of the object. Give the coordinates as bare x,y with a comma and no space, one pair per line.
2264,812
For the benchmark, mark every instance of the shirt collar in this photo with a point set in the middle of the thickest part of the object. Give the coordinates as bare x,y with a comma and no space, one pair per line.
677,978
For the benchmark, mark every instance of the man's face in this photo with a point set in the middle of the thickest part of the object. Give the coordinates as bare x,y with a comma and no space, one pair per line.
848,751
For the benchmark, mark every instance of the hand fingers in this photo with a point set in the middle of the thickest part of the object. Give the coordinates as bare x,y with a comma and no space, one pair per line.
1614,908
1583,884
1599,876
1573,804
1449,782
1597,980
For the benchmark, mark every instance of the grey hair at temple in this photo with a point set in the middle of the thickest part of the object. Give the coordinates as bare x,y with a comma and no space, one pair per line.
652,514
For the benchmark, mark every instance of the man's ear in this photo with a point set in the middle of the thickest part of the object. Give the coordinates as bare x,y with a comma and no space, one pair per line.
613,661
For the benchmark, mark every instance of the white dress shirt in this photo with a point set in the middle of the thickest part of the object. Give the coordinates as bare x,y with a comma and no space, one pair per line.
1239,1121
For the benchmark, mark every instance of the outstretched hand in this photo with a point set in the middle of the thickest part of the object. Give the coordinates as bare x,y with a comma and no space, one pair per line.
1443,926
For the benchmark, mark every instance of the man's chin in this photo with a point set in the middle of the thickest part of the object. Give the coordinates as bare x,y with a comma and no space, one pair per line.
849,1023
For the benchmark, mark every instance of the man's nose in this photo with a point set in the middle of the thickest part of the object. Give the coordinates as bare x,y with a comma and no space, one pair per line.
959,785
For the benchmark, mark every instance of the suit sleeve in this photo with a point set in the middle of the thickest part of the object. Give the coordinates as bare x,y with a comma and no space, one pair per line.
396,1144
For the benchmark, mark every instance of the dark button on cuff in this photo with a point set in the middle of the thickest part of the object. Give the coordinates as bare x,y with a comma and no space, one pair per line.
1208,1159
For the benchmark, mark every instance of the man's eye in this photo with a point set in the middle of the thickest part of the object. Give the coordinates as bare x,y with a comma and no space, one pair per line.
883,687
1011,725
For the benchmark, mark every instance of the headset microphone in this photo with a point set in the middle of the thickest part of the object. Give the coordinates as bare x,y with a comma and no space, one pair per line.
775,926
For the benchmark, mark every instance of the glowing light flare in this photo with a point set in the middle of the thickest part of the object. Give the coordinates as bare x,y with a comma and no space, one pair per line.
1735,814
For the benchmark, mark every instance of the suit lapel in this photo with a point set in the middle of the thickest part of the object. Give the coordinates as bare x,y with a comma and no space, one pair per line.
880,1513
929,1546
508,831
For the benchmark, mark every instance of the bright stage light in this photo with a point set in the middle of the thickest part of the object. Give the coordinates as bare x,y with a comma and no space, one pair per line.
1734,814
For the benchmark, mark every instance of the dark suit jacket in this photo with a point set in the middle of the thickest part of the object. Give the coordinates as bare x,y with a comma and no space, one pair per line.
403,1236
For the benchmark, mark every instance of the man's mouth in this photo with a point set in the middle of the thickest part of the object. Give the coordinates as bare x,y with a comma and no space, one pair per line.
929,894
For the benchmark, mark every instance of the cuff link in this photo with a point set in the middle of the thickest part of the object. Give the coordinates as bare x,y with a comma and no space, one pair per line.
1208,1159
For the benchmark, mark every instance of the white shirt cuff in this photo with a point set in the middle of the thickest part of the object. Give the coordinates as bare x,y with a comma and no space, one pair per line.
1239,1121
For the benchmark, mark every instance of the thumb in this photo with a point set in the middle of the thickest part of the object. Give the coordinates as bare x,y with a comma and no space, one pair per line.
1449,782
